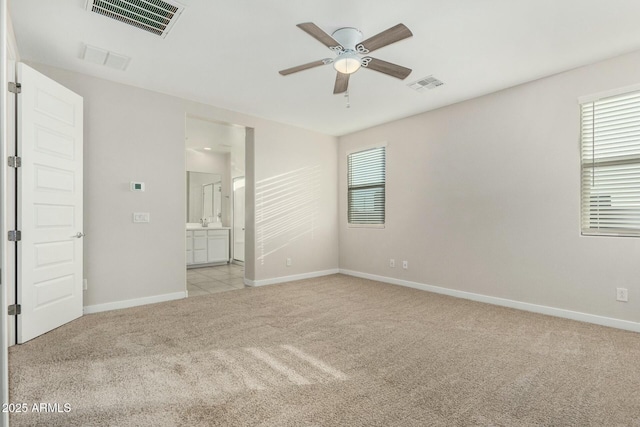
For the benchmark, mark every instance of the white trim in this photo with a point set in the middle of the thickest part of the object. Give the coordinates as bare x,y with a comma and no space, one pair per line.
12,56
12,45
90,309
535,308
284,279
367,147
608,93
4,134
378,226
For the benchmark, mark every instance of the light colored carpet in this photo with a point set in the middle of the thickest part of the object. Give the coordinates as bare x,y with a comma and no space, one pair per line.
332,351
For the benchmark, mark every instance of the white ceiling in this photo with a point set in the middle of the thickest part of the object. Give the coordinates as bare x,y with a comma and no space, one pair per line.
228,53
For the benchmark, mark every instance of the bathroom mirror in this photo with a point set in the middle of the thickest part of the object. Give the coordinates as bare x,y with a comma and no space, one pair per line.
204,197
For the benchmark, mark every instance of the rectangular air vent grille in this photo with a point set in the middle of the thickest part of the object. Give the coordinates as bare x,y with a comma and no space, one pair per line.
423,84
155,16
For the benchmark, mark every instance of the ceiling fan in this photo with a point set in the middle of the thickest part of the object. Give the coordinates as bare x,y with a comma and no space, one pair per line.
348,45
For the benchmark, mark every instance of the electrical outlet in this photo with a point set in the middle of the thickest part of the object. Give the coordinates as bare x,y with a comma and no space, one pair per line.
288,262
405,264
84,284
622,294
392,263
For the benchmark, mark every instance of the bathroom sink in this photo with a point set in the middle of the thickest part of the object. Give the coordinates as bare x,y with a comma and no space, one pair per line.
198,226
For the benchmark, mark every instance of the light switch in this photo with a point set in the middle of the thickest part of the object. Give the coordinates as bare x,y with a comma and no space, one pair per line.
141,217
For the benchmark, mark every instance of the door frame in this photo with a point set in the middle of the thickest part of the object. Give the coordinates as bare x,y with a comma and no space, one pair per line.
8,57
233,217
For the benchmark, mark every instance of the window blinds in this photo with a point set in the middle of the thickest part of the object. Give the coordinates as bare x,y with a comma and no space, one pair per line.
366,182
610,141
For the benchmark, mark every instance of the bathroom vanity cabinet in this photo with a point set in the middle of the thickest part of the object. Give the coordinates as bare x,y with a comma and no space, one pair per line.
207,246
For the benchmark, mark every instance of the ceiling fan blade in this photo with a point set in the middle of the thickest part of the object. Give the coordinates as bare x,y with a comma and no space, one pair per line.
342,83
389,68
305,66
392,35
317,33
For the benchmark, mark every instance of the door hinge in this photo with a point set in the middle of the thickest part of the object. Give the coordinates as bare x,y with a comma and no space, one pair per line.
15,87
15,235
15,309
15,161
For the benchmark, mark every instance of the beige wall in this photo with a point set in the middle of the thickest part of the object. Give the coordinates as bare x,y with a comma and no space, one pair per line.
135,134
295,201
483,197
217,163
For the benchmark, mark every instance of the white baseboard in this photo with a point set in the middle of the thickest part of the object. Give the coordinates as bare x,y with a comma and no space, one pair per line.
89,309
542,309
284,279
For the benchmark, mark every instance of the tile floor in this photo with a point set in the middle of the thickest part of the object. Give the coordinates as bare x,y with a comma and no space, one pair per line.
210,280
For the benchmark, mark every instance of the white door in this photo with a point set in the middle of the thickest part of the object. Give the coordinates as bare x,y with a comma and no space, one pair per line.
49,204
238,219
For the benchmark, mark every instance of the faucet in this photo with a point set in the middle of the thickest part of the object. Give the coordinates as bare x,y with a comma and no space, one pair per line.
204,222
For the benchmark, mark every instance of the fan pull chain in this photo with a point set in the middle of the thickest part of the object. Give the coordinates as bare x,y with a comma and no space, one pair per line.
346,95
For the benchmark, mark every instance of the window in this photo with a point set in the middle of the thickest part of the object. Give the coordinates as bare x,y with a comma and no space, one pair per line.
610,146
366,181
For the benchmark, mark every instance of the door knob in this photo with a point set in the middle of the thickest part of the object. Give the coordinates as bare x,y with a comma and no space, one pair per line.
78,235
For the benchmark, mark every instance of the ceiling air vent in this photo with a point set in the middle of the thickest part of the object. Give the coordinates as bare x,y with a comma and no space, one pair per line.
423,84
155,16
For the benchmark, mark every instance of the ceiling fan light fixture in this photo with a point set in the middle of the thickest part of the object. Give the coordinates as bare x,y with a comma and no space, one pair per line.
347,44
347,63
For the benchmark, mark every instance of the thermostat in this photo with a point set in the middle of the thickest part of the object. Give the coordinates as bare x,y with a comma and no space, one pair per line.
137,186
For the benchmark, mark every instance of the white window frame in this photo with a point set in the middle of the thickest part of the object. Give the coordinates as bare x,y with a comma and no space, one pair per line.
357,150
586,166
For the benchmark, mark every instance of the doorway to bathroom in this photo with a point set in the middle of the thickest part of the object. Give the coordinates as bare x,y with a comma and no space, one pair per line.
215,206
